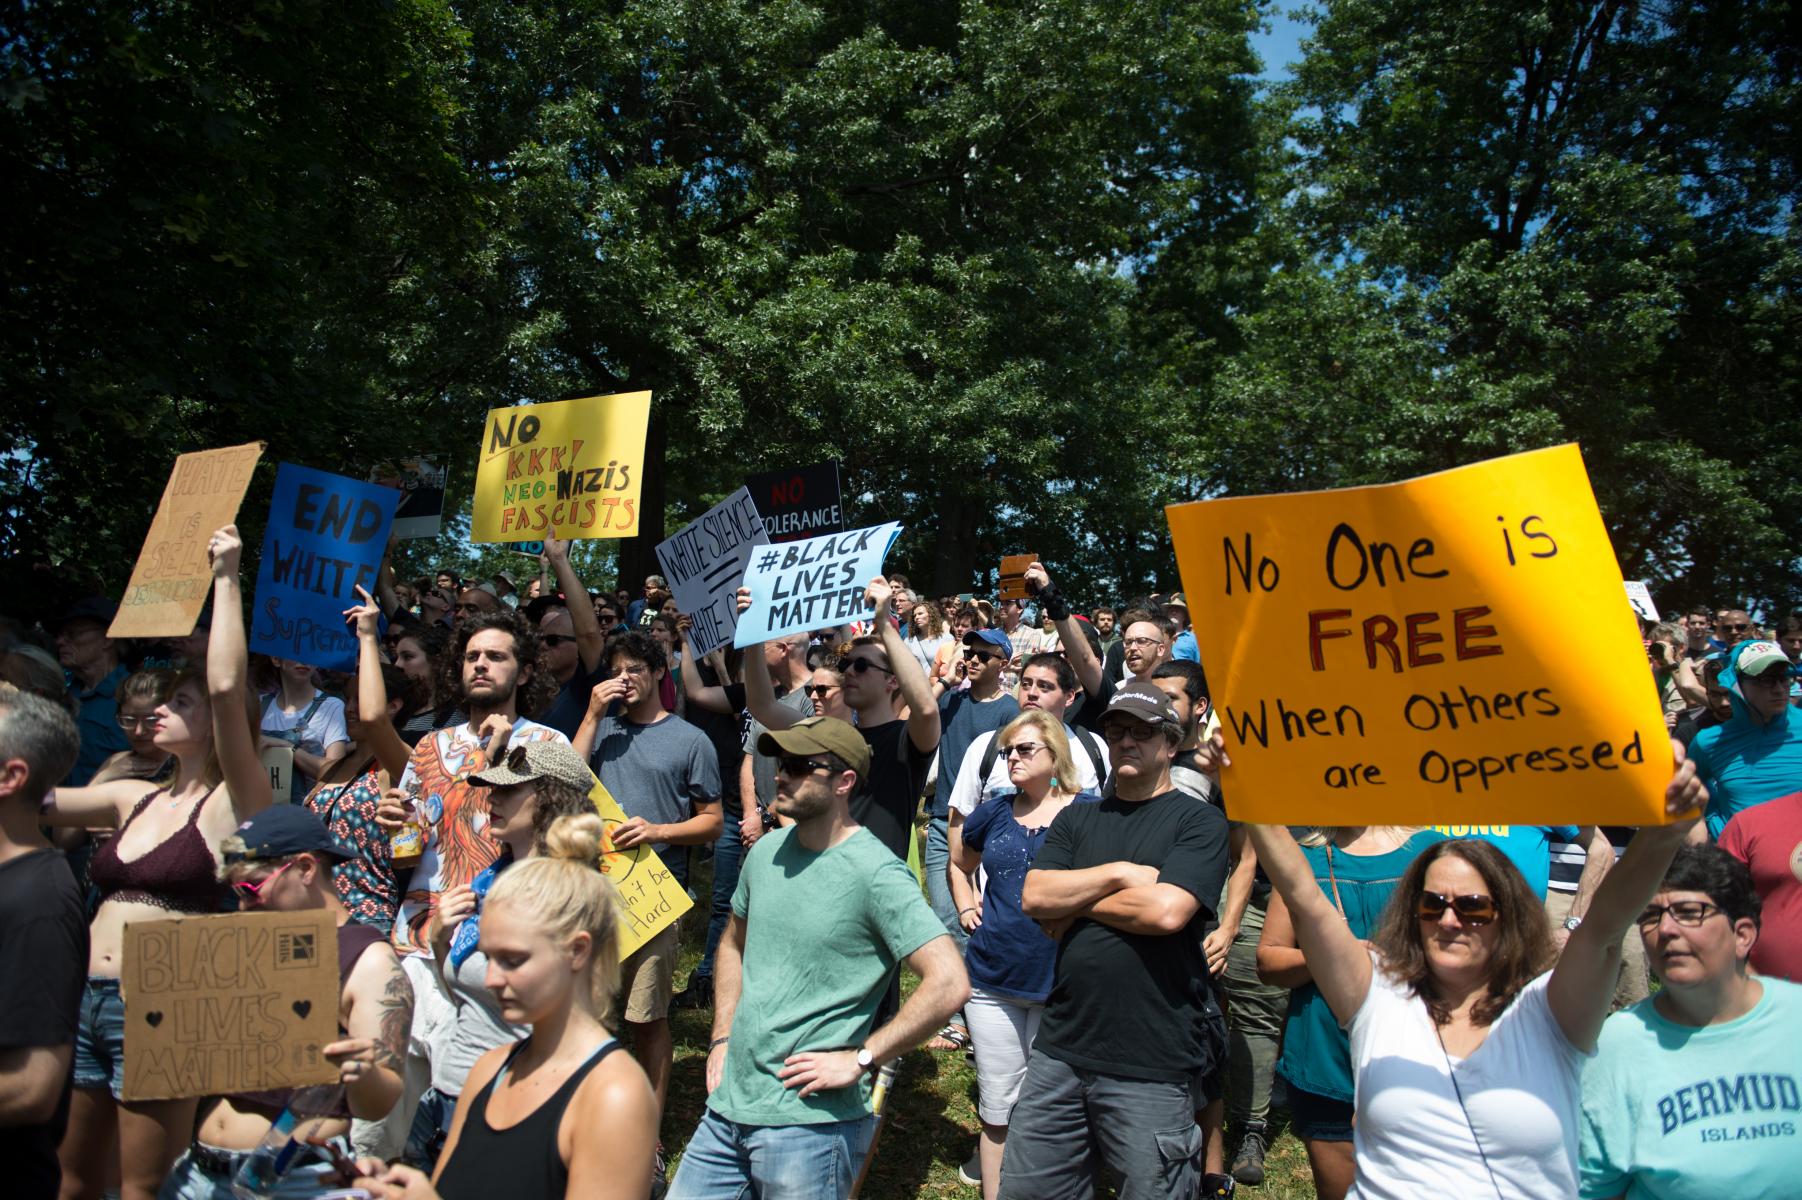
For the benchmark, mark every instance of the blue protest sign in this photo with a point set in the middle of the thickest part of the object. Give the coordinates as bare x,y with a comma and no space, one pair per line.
325,538
798,586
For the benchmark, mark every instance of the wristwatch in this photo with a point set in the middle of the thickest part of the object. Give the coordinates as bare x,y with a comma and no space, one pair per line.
865,1060
1571,923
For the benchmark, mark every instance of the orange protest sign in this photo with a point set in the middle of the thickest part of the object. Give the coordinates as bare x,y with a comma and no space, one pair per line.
1386,655
171,580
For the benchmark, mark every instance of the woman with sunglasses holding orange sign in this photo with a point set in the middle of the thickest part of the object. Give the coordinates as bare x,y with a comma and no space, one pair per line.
1466,1041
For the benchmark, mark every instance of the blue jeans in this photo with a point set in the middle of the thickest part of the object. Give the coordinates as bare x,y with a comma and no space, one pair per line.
728,853
100,1037
430,1129
728,1161
938,890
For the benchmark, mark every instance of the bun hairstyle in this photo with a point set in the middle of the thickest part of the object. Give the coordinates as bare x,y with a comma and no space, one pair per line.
564,891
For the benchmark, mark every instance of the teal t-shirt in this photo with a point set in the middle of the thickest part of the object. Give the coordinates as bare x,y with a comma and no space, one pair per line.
823,933
1672,1112
1316,1052
1528,847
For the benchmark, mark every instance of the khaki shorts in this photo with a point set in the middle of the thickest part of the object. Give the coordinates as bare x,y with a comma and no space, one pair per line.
647,980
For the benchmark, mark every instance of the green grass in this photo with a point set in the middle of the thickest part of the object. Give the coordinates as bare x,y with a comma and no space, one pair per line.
931,1126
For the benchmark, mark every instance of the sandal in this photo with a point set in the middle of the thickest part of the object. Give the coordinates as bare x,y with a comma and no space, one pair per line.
951,1037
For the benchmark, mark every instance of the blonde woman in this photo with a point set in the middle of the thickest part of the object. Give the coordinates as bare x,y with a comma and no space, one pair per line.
527,1126
163,862
1009,958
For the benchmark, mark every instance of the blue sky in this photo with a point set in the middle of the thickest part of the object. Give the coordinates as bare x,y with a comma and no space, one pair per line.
1280,47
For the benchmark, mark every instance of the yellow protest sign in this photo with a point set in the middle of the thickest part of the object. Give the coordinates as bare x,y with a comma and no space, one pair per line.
171,580
653,899
1447,649
232,1003
570,469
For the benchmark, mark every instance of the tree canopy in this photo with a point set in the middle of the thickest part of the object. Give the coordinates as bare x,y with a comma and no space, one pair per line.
1029,271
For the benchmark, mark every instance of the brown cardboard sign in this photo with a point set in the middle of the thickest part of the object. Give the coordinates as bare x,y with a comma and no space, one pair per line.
171,581
233,1003
1013,575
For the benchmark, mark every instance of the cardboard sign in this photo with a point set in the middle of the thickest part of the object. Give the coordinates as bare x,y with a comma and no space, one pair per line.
570,469
812,584
798,503
326,537
420,482
172,579
279,762
1640,597
1382,655
653,899
215,1005
1013,576
705,561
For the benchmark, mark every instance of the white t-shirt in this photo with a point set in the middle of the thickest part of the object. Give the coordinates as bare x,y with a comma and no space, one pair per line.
1520,1088
967,791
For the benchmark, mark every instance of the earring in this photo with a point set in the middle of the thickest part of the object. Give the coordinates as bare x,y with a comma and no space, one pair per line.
1054,783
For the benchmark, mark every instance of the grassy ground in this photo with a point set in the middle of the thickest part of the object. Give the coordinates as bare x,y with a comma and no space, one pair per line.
931,1126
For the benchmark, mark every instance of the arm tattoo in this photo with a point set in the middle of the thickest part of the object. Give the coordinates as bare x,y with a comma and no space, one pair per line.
396,1020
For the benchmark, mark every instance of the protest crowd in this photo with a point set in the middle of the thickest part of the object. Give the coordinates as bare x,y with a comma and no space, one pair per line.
997,827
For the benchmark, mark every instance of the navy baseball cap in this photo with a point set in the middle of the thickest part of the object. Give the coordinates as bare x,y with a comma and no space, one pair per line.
281,830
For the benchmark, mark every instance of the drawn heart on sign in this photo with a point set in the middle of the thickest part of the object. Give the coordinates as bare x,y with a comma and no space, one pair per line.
153,1019
302,1008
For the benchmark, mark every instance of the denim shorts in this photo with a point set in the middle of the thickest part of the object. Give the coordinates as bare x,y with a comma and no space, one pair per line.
100,1037
1317,1118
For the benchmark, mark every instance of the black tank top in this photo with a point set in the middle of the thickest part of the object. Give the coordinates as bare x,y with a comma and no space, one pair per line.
520,1162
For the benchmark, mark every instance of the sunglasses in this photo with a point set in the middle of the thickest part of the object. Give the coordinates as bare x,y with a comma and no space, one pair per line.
857,666
1470,910
793,765
252,893
820,689
138,724
973,652
1119,731
1687,913
1741,626
553,640
1022,750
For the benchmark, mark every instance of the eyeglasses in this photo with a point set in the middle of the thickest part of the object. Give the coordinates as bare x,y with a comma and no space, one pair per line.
820,689
792,765
857,666
138,724
1119,731
252,893
1779,678
1736,626
553,640
1687,913
1022,750
1470,910
1142,641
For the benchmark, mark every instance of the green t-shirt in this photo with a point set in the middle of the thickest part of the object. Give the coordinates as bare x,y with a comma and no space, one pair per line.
1674,1112
823,933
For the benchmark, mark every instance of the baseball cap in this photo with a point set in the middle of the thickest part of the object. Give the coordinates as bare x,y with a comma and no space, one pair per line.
281,830
1143,702
993,637
533,761
819,735
1755,658
90,608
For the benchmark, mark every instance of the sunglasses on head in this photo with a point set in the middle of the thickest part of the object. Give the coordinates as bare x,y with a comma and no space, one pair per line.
1470,910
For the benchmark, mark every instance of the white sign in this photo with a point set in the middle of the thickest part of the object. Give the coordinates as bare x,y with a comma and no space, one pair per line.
704,562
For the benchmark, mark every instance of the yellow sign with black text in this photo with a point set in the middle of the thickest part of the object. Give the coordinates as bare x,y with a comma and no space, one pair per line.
653,899
569,469
1449,648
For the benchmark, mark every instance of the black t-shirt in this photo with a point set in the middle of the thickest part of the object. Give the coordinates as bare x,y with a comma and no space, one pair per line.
887,804
1094,705
1130,1004
43,963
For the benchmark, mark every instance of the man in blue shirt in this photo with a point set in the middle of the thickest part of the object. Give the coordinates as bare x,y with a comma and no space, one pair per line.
1183,646
1756,756
95,673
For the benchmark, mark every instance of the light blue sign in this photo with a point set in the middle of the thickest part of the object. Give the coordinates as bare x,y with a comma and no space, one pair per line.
812,584
325,538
